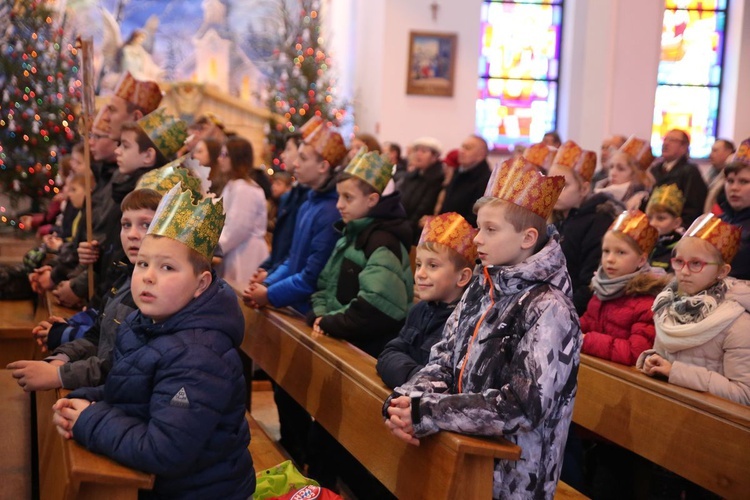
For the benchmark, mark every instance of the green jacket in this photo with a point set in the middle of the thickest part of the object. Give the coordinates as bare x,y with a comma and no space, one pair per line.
367,287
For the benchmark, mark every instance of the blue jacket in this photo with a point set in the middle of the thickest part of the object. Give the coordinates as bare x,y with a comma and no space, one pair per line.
283,233
174,402
408,353
296,279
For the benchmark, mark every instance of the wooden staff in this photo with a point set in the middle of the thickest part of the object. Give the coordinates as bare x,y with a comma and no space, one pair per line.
86,48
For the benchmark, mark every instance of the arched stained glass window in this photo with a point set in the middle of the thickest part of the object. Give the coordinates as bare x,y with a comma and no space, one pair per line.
519,69
689,79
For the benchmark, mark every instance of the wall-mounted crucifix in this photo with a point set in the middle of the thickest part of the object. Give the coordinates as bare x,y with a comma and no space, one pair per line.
435,7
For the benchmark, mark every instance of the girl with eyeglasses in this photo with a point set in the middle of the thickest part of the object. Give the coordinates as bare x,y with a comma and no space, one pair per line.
618,324
702,320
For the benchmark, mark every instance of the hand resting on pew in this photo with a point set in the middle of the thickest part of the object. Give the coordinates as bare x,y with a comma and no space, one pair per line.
66,414
36,375
41,331
656,365
400,422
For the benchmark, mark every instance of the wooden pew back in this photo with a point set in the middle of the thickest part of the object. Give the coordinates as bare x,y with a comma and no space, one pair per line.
15,446
701,437
340,388
67,471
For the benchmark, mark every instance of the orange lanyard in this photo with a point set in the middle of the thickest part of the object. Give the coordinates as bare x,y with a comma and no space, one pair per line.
476,330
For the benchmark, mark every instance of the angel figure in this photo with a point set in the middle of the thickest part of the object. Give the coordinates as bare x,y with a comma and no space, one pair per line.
135,55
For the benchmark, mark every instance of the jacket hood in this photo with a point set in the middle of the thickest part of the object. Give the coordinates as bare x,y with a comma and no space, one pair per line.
739,291
545,266
734,216
216,309
649,283
600,203
389,207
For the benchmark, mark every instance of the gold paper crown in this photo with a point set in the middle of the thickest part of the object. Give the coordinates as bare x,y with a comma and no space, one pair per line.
540,154
453,231
743,153
723,236
197,225
166,132
635,224
640,150
372,168
668,196
572,156
146,96
165,178
310,126
102,123
520,182
328,144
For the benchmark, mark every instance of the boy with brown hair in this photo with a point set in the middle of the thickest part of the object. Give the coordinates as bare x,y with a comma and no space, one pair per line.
174,402
446,256
663,210
508,360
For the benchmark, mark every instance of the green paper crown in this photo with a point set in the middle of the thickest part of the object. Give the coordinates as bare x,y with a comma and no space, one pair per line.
372,168
166,132
165,178
196,225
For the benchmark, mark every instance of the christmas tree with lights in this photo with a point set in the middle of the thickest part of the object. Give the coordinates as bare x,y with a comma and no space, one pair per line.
299,71
39,91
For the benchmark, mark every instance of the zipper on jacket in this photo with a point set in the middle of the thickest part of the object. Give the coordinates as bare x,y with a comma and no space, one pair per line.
476,329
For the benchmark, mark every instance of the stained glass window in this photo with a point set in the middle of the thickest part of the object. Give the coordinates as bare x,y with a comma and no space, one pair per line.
519,67
689,79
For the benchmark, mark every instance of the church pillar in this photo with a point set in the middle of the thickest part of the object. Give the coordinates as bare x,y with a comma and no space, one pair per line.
734,118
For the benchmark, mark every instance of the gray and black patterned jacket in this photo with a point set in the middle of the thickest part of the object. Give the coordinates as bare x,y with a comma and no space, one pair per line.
519,377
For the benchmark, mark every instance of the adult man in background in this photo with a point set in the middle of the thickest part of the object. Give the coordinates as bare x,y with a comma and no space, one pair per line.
470,179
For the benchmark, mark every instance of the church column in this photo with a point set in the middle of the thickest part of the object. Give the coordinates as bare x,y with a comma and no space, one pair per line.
734,119
609,67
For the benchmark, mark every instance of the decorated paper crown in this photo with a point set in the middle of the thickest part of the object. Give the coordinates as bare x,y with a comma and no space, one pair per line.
102,123
635,224
540,154
310,126
197,225
166,132
572,156
451,230
520,182
165,178
327,143
668,196
146,96
723,236
372,168
743,153
640,150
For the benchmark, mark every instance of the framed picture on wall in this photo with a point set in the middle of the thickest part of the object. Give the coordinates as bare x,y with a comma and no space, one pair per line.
432,63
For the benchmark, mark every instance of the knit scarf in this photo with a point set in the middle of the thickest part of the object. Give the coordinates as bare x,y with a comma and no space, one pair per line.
617,191
685,321
606,288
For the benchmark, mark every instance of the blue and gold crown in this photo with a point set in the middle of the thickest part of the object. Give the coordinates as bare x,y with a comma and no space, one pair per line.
166,132
196,225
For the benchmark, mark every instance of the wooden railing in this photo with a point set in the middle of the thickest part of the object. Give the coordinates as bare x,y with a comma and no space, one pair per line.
338,385
701,437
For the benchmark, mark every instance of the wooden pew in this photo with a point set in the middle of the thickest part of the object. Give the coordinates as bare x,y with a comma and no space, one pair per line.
15,446
17,318
67,471
701,437
339,386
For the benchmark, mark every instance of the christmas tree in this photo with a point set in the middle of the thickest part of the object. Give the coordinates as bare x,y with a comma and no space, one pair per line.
298,69
38,93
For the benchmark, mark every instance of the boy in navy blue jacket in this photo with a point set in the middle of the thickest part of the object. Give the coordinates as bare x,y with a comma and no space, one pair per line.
174,402
446,255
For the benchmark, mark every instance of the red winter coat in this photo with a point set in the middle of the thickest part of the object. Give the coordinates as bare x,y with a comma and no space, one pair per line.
621,329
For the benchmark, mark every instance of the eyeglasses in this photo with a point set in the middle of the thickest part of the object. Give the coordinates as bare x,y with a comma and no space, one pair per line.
694,266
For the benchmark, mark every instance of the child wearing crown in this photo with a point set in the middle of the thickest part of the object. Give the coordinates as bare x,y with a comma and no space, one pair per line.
702,319
618,324
736,207
174,402
446,256
581,218
663,209
507,362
